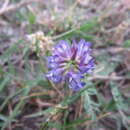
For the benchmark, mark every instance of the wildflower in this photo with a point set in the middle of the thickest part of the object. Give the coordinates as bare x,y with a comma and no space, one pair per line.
41,41
70,63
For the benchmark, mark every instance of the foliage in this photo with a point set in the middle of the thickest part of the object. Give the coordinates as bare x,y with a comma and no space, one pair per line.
27,97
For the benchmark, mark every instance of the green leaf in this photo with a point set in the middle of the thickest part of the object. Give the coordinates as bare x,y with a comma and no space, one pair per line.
90,106
3,118
117,96
78,121
31,17
56,125
106,68
8,53
88,25
126,43
85,27
4,82
111,106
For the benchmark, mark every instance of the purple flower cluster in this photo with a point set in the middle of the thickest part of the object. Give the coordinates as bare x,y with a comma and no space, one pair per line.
71,63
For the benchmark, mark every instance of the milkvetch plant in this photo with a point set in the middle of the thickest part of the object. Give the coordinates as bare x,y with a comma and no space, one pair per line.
71,63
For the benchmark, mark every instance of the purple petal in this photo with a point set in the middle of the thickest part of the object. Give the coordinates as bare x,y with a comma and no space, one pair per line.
56,75
83,48
87,68
55,78
73,50
51,62
63,49
85,59
76,86
75,82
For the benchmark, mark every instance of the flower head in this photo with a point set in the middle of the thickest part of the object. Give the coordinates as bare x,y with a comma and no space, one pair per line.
70,62
39,40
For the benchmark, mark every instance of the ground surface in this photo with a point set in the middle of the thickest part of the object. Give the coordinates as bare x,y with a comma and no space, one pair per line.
28,31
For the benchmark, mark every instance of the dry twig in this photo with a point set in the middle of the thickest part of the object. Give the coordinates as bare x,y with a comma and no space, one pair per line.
111,77
7,8
113,50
